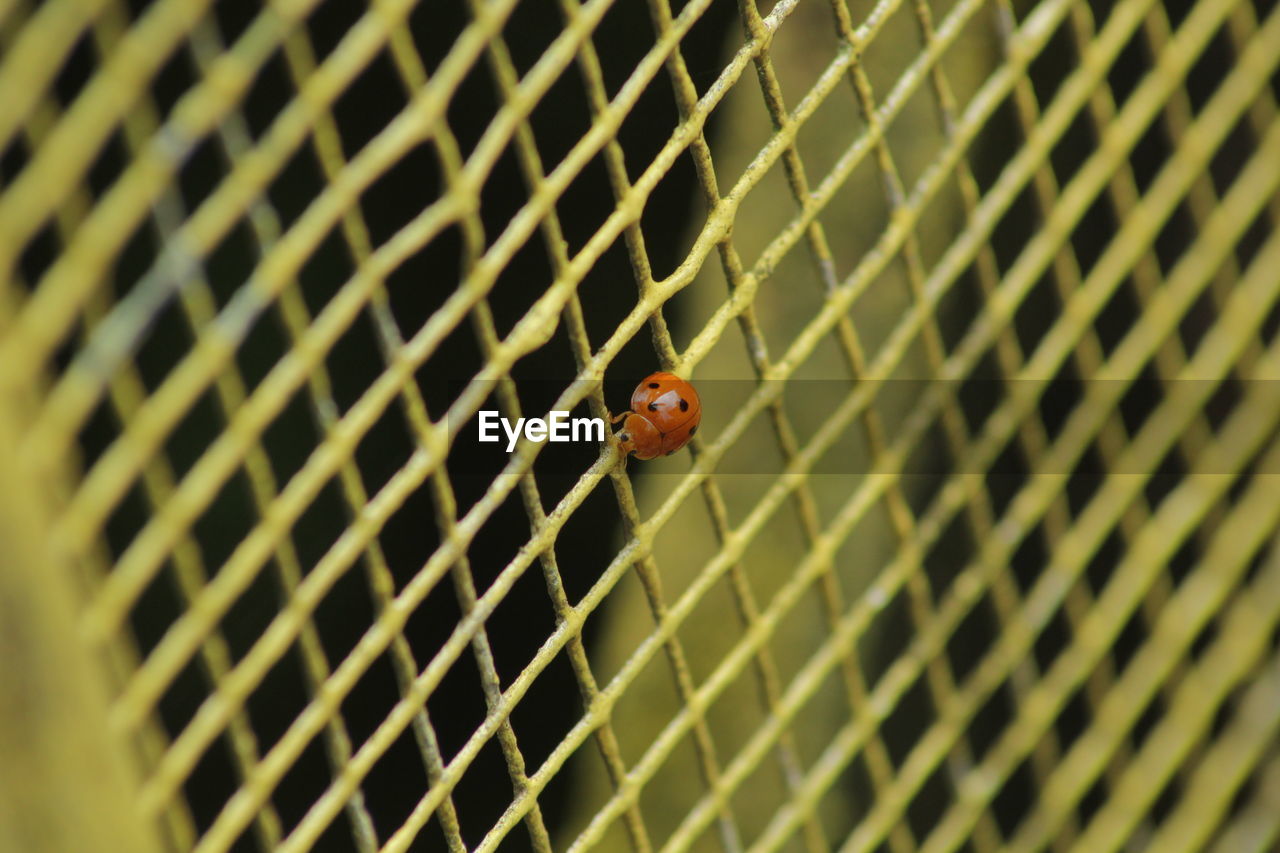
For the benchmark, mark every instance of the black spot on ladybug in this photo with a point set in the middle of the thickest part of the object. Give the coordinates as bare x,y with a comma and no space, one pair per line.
653,407
692,430
622,436
684,405
654,385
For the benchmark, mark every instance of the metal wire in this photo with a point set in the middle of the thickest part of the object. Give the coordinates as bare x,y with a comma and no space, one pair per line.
1204,663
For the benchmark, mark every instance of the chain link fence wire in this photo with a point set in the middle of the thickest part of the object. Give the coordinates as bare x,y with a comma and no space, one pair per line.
974,551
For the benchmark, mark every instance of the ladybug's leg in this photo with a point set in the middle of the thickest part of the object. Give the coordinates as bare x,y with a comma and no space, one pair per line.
616,418
626,445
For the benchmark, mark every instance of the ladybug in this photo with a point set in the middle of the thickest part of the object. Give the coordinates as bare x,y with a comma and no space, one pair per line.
665,412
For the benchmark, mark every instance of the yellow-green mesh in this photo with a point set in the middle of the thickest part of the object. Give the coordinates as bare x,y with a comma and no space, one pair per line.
858,234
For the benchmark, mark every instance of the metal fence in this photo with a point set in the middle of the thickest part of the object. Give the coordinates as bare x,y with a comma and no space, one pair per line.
982,300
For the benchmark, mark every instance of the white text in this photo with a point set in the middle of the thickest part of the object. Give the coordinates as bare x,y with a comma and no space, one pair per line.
558,427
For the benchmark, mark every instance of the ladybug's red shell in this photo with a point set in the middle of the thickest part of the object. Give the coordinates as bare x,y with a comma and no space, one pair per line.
665,412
